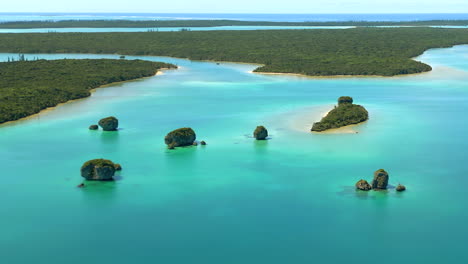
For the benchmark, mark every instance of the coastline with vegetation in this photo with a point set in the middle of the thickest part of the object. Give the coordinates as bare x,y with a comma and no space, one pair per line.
349,52
214,23
28,87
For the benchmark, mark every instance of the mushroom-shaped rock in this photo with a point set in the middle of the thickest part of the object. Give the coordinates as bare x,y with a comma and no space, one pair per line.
117,167
180,137
380,180
363,185
345,100
400,188
98,170
260,133
93,127
203,143
109,123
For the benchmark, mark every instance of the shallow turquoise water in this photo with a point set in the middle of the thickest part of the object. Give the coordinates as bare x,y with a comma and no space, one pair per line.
286,200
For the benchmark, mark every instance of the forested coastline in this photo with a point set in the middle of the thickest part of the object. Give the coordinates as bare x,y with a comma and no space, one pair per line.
360,51
212,23
27,87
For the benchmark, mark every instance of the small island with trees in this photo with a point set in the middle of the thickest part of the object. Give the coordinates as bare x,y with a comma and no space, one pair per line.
345,114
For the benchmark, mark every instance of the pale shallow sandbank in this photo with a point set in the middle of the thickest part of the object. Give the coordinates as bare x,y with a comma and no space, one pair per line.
301,120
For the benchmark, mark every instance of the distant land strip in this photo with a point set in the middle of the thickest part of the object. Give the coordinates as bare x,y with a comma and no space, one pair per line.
319,52
27,87
211,23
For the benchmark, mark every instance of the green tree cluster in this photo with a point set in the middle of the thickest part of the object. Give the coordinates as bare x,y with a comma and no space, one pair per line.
360,51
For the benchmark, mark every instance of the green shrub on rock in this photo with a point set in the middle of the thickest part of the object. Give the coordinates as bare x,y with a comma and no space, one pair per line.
260,133
363,185
345,100
180,137
98,170
109,123
380,181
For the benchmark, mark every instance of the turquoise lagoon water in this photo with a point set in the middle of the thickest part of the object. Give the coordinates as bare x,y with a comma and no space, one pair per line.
289,199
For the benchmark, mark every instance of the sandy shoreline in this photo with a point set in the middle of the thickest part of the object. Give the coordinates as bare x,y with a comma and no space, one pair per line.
301,120
46,110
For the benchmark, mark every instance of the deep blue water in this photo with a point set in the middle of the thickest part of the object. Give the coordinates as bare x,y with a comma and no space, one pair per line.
249,17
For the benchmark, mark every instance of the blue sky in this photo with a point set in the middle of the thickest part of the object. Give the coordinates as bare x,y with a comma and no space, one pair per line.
238,6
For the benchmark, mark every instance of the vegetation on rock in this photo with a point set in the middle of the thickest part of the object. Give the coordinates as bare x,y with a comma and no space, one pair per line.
109,123
318,52
180,137
346,113
27,87
260,133
400,188
363,185
98,170
380,180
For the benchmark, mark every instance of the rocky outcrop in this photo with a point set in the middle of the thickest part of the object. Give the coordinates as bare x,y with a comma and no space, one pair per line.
98,170
345,100
345,114
109,123
260,133
93,127
363,185
380,181
400,188
180,137
203,143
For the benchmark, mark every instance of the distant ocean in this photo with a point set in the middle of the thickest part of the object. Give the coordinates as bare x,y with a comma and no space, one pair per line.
246,17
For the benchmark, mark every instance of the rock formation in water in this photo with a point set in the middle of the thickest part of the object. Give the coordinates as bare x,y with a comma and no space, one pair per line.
400,188
363,185
260,133
203,143
109,123
98,170
117,167
346,113
380,181
93,127
180,137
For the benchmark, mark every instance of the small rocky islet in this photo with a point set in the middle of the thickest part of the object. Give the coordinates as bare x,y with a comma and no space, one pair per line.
110,123
99,170
345,114
380,182
260,133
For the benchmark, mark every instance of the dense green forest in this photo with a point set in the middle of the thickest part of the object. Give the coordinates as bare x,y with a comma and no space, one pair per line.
212,23
27,87
360,51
